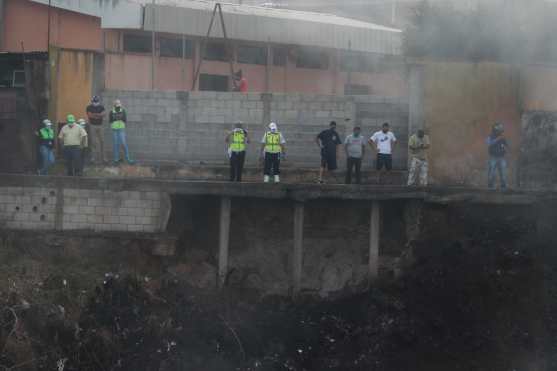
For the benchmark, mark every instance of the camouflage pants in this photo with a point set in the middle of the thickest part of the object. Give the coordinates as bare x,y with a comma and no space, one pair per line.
418,169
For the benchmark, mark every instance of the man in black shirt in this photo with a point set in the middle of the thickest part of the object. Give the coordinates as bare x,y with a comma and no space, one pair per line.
95,112
328,141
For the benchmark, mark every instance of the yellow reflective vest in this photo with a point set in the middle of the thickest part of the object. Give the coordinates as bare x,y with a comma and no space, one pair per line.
238,141
272,142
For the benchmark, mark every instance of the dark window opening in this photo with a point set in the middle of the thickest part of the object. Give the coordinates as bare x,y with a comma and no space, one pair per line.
252,55
135,43
354,89
279,56
213,82
354,62
311,58
12,74
216,51
170,47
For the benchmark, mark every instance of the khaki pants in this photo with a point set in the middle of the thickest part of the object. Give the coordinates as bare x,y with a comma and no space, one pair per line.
97,143
418,169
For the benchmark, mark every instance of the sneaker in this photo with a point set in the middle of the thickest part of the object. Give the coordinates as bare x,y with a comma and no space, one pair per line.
266,179
131,162
277,179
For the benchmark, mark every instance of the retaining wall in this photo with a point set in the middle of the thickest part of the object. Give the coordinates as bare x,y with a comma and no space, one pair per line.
191,127
49,208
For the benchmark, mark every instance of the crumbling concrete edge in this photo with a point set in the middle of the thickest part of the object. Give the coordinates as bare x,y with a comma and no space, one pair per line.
165,210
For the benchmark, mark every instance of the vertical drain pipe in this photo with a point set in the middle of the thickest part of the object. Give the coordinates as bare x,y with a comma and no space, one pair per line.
224,239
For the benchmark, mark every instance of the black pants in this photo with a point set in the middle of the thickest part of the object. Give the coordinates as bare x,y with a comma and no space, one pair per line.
72,155
355,163
237,160
272,164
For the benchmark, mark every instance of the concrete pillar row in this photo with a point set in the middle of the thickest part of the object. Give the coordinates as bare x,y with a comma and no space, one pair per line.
374,237
224,239
298,252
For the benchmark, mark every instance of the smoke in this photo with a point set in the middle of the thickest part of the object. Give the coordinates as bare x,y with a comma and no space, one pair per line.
503,31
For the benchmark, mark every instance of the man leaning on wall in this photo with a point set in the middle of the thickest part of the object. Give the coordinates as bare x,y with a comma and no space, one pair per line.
95,112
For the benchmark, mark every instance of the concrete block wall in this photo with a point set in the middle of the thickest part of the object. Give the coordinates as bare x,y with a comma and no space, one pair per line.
28,208
44,208
190,127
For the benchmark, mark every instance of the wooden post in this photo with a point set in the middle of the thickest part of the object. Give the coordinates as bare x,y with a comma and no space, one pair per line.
374,234
224,238
298,253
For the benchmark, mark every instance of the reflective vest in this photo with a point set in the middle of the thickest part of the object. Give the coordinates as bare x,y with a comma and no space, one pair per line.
272,142
46,134
118,123
238,141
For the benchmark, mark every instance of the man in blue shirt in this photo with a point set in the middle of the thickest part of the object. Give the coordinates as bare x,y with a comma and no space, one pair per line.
497,147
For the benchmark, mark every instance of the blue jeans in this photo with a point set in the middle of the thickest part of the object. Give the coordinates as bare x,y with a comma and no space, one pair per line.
47,159
497,165
119,139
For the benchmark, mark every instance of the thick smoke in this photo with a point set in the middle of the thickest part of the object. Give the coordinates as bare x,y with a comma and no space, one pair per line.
504,31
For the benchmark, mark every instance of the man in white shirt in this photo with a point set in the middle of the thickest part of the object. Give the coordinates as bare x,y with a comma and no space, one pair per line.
383,142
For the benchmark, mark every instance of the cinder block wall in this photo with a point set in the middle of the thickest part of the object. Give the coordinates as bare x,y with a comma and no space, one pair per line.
190,127
44,208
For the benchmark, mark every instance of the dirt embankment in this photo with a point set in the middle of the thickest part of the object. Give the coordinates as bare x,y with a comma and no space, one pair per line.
481,303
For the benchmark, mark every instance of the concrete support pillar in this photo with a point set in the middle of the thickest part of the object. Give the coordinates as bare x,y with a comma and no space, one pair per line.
374,235
298,253
224,238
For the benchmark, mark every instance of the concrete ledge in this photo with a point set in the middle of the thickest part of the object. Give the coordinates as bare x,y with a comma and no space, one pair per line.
296,192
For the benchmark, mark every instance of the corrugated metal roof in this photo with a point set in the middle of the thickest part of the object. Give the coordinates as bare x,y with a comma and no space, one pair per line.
252,23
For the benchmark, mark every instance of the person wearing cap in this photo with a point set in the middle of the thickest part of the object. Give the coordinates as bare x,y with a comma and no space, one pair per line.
95,113
328,142
418,146
85,145
497,147
273,146
72,137
118,120
46,146
237,140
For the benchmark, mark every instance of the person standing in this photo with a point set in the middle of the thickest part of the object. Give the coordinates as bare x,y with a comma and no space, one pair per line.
328,141
383,142
240,82
46,146
237,140
118,120
497,146
354,146
418,146
85,145
72,137
95,113
273,147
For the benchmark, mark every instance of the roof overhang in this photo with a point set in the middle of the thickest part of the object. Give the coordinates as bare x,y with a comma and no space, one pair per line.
113,13
274,25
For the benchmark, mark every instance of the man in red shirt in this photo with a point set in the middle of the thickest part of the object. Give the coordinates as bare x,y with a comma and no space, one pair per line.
240,82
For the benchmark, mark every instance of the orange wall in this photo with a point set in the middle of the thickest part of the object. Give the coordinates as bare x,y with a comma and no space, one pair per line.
538,87
27,22
461,102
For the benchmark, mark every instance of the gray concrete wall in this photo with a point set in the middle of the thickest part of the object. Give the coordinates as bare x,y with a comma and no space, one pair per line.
53,208
191,127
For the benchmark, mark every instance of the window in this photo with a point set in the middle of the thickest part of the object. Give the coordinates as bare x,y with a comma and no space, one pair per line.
252,55
213,82
170,47
354,62
136,43
311,58
216,51
354,89
279,56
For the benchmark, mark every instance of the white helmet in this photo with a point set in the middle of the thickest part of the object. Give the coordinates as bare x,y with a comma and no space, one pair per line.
47,122
273,126
81,122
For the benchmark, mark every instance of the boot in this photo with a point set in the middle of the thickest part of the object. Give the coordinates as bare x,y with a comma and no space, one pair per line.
266,179
277,179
